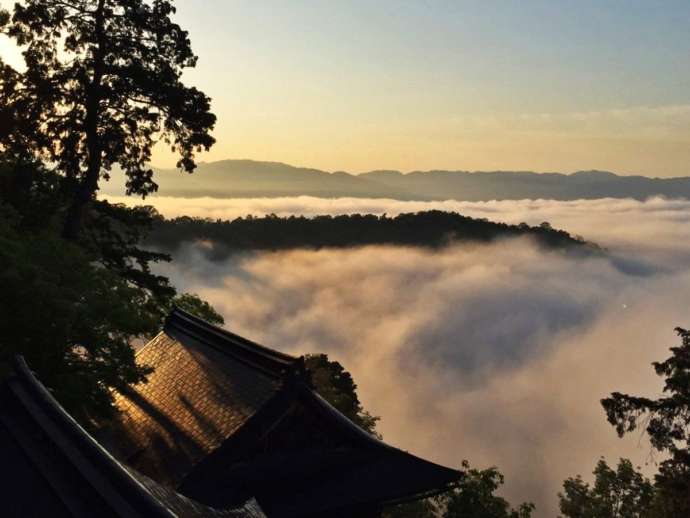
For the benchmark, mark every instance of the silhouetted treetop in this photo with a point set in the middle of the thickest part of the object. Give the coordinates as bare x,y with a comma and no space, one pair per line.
619,493
475,497
335,385
102,85
666,420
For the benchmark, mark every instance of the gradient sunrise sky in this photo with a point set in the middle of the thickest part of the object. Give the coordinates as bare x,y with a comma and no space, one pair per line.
480,85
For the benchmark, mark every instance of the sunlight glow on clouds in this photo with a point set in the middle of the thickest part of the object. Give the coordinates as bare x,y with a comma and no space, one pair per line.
496,353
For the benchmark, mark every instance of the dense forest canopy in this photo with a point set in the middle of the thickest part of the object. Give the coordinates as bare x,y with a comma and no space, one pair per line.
428,229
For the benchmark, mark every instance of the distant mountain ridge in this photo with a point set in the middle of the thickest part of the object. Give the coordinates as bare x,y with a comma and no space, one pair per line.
248,178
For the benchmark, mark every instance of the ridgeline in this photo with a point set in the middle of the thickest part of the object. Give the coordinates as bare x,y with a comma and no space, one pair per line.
431,229
252,179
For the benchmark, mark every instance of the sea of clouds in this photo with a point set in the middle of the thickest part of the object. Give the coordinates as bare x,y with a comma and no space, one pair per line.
496,353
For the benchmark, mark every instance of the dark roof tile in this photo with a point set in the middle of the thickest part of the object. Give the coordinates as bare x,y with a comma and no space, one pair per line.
196,397
223,419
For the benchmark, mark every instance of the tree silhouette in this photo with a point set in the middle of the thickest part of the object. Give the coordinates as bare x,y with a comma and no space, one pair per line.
619,493
667,422
101,87
72,309
336,386
191,303
474,497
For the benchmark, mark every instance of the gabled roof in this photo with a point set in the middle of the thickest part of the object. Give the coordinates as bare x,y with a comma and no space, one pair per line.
224,419
206,383
59,470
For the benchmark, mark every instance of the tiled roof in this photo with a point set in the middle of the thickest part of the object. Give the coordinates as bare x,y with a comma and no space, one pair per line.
199,393
223,419
59,470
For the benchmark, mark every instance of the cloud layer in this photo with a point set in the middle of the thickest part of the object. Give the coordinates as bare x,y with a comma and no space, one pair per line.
495,353
579,216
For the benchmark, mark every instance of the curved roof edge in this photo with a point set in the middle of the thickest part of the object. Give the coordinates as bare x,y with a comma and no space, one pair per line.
413,478
367,440
422,477
124,492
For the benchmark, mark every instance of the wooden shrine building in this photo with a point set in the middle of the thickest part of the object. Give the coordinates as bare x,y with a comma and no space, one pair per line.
223,420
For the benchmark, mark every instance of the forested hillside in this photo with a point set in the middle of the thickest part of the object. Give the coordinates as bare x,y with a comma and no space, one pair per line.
427,229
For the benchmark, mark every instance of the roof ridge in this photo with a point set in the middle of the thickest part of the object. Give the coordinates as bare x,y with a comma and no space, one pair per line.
258,356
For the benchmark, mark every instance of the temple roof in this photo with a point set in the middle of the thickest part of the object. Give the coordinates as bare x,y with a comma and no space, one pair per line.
205,385
352,471
223,419
59,470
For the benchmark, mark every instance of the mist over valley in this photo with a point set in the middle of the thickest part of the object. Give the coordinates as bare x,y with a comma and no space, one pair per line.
496,352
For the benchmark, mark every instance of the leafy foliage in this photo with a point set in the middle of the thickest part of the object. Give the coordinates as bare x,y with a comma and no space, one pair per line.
73,308
73,321
667,422
192,303
620,493
335,385
101,87
432,229
474,497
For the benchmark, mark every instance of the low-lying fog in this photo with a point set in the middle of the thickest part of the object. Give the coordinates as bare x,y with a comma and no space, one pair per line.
496,353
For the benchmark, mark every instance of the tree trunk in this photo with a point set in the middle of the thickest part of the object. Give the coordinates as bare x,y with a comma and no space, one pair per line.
89,185
75,213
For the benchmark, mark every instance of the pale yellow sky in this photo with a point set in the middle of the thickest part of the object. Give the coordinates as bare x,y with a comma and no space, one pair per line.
8,51
435,85
654,142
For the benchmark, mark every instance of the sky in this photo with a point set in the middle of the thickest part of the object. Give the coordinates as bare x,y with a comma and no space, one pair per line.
498,353
473,85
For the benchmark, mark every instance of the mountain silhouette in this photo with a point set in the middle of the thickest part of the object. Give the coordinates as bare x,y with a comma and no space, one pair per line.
248,178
